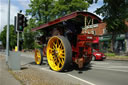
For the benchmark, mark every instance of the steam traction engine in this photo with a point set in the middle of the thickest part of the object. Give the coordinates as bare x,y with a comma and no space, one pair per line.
64,41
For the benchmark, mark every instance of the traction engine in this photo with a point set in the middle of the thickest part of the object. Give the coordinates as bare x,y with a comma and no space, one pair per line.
63,42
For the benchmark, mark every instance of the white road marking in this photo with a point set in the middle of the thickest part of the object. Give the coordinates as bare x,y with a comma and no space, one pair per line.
111,69
85,81
95,62
99,66
27,55
45,69
81,79
118,67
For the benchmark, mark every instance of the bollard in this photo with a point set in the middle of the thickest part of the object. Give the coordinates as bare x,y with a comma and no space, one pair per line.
14,60
16,49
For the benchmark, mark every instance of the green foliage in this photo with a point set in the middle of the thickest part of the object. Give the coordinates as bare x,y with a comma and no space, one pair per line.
12,37
47,10
91,1
29,36
127,19
63,7
28,39
40,10
36,45
114,13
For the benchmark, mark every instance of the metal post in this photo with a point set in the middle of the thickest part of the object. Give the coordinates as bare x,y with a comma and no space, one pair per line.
17,34
7,38
17,40
85,23
92,21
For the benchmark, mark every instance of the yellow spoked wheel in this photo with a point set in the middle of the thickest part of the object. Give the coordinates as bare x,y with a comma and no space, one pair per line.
59,53
38,56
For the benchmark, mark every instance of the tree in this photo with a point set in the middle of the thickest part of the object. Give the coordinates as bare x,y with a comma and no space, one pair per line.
91,1
63,7
46,10
40,10
29,36
12,37
114,13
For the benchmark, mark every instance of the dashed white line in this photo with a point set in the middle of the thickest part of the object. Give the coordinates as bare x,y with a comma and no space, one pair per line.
26,55
85,81
118,67
100,63
111,69
81,79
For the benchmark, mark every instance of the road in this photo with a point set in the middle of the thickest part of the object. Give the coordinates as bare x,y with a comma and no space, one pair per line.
108,72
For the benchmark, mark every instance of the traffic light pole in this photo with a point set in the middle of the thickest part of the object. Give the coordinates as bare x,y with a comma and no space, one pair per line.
17,40
17,34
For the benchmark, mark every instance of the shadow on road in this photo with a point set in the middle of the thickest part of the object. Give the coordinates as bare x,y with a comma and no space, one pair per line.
69,69
23,68
43,63
80,70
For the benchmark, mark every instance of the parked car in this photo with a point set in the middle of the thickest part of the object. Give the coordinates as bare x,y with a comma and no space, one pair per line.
98,55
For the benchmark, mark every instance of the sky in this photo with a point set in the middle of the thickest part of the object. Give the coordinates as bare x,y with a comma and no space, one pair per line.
17,5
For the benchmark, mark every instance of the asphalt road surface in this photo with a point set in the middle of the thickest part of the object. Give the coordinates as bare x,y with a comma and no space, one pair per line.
108,72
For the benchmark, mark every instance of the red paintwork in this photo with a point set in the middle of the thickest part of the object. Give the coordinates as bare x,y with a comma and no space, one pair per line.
67,17
85,43
96,39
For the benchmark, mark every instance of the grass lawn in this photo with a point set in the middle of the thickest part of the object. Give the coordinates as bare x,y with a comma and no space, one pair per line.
114,56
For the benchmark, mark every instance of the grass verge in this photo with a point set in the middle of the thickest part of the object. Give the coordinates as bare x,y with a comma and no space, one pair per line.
116,57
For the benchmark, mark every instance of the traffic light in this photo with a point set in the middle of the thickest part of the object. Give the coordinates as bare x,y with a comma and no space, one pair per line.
21,22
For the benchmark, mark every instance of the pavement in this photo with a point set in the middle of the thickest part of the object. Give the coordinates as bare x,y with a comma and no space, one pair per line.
5,77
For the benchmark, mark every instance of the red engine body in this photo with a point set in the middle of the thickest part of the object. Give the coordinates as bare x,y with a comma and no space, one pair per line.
82,52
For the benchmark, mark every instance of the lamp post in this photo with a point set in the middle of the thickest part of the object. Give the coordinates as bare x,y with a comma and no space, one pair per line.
7,35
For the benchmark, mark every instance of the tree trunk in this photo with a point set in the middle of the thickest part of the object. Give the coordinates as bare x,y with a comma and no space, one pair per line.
113,38
126,46
126,35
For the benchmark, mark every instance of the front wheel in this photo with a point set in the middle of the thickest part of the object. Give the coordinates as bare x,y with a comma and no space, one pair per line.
38,56
59,53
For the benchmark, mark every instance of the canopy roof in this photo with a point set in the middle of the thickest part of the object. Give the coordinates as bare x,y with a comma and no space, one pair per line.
74,15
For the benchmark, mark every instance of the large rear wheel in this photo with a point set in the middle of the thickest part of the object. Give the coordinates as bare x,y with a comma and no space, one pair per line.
59,53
